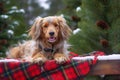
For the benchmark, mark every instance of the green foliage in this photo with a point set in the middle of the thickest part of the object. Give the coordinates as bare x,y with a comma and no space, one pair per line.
32,10
86,40
99,27
114,36
11,24
70,7
69,12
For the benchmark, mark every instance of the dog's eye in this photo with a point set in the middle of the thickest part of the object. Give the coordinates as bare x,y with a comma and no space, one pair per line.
45,26
55,25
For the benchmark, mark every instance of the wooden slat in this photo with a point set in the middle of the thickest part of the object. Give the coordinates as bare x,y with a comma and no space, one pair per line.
106,67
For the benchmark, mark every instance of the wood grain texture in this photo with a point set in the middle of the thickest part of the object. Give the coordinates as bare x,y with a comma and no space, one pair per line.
106,67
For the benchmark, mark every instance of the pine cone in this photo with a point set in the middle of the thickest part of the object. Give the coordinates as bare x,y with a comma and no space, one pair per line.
104,43
75,18
4,41
102,24
1,4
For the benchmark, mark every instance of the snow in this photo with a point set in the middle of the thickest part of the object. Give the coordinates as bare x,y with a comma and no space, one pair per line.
12,11
62,15
14,7
78,9
22,10
9,60
16,23
76,31
15,10
106,57
24,35
10,32
4,16
11,26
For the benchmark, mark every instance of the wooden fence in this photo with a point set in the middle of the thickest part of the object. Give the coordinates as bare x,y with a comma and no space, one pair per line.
106,67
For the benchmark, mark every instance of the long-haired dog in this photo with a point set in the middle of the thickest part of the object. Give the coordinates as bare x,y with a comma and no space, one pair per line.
49,36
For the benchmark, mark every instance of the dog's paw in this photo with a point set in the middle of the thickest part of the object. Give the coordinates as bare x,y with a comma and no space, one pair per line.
39,58
60,58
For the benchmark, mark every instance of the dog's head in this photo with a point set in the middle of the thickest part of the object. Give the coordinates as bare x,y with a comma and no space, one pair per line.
52,29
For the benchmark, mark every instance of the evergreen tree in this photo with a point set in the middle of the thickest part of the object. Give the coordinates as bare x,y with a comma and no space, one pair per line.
99,27
11,24
32,10
69,12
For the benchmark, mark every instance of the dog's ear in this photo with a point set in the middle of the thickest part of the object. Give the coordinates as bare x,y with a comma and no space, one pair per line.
35,30
64,28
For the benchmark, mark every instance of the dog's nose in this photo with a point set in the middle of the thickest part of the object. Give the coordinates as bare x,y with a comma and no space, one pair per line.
51,33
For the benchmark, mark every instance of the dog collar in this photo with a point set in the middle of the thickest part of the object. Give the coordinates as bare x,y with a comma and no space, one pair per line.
48,50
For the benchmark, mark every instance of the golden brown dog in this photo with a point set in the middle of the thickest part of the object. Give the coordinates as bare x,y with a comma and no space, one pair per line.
49,37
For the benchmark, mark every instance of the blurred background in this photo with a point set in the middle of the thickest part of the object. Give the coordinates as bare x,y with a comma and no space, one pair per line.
95,24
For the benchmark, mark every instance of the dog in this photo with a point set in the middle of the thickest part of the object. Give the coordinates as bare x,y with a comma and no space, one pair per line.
49,41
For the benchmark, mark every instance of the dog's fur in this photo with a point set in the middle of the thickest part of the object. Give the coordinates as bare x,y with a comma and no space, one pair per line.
49,37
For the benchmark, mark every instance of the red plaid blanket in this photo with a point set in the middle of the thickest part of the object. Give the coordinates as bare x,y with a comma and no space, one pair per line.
71,70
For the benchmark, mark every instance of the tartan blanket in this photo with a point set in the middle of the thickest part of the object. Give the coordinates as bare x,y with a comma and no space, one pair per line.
71,70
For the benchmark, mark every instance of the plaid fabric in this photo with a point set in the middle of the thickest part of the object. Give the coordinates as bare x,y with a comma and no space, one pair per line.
74,70
71,70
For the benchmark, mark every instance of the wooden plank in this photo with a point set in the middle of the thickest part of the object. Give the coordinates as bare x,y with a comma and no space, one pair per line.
106,67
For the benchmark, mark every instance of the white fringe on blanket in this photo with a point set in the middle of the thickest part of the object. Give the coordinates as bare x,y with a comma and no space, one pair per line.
105,57
9,60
